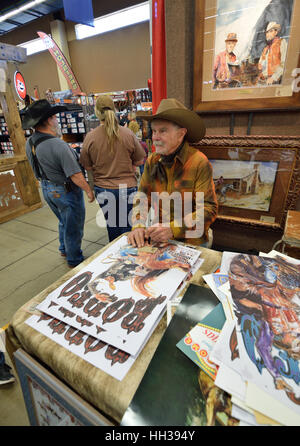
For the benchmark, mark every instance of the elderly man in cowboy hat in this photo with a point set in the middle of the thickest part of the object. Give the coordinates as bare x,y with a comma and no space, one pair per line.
55,164
177,182
272,60
221,73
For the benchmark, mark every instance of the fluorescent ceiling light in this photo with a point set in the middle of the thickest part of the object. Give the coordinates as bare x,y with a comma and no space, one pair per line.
16,11
34,46
116,20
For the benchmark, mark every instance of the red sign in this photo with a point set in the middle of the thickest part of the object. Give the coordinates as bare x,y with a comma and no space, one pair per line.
20,85
61,61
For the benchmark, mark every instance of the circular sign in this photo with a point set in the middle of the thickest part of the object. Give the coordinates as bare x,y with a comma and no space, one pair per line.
20,85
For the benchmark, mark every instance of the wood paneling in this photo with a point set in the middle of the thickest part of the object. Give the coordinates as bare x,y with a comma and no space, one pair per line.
180,61
19,192
179,47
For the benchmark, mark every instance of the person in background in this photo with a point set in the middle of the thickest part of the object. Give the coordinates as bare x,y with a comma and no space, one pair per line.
135,128
27,100
6,376
178,168
145,147
124,120
110,153
54,163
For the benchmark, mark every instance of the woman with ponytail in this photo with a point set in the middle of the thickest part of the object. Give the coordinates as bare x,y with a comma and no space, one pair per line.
110,153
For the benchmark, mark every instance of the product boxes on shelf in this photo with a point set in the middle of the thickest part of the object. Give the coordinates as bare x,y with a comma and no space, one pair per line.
71,122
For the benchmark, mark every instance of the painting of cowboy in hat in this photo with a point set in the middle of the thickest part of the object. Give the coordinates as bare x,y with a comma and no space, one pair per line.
226,66
272,60
257,34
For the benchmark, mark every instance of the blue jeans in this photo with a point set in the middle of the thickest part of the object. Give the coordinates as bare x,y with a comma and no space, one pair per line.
2,358
142,169
116,209
205,244
70,211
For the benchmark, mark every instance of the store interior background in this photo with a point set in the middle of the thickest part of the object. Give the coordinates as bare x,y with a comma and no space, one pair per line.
121,60
118,60
114,61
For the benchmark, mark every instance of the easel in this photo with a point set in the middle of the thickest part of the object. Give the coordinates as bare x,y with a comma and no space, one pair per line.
18,187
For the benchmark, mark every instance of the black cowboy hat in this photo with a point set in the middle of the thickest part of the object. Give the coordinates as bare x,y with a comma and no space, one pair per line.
39,111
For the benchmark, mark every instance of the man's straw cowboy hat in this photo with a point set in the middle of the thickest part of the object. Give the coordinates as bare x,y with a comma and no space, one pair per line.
273,25
174,111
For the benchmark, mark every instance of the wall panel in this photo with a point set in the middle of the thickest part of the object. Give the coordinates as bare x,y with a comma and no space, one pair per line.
40,70
119,60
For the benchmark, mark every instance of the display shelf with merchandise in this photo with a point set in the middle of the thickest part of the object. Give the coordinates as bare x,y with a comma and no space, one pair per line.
6,145
72,122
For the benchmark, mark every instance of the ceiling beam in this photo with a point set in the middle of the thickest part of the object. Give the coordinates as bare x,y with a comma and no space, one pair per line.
13,22
33,12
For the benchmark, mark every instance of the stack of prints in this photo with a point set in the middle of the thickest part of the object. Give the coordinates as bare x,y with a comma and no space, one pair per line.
255,358
106,312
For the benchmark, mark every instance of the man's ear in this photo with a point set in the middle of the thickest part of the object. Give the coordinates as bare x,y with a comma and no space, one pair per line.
47,122
184,131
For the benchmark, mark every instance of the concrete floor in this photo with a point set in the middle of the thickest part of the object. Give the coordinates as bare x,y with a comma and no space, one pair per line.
30,262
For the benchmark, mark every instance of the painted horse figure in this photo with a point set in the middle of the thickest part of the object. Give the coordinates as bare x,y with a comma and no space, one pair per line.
223,192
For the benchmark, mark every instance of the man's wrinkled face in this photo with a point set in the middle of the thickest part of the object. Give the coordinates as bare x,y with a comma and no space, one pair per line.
166,136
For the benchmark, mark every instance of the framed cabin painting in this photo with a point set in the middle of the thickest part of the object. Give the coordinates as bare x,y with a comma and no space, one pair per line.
256,178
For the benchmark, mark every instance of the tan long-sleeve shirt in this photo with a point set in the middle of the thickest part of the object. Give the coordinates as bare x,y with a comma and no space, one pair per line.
111,168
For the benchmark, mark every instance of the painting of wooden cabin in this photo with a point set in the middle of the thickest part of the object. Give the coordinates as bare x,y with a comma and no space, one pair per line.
244,184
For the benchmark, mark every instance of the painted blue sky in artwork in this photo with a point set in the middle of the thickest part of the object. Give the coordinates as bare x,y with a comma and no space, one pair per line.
240,17
240,169
229,11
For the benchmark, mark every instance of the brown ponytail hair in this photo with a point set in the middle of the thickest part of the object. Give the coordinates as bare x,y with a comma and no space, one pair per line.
105,112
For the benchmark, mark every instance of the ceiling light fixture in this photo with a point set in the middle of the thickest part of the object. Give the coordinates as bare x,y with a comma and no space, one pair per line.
116,20
16,11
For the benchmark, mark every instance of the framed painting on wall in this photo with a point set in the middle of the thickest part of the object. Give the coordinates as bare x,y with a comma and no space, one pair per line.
49,402
256,178
246,55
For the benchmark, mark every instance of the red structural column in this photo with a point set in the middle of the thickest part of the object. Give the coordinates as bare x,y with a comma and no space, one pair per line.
159,76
